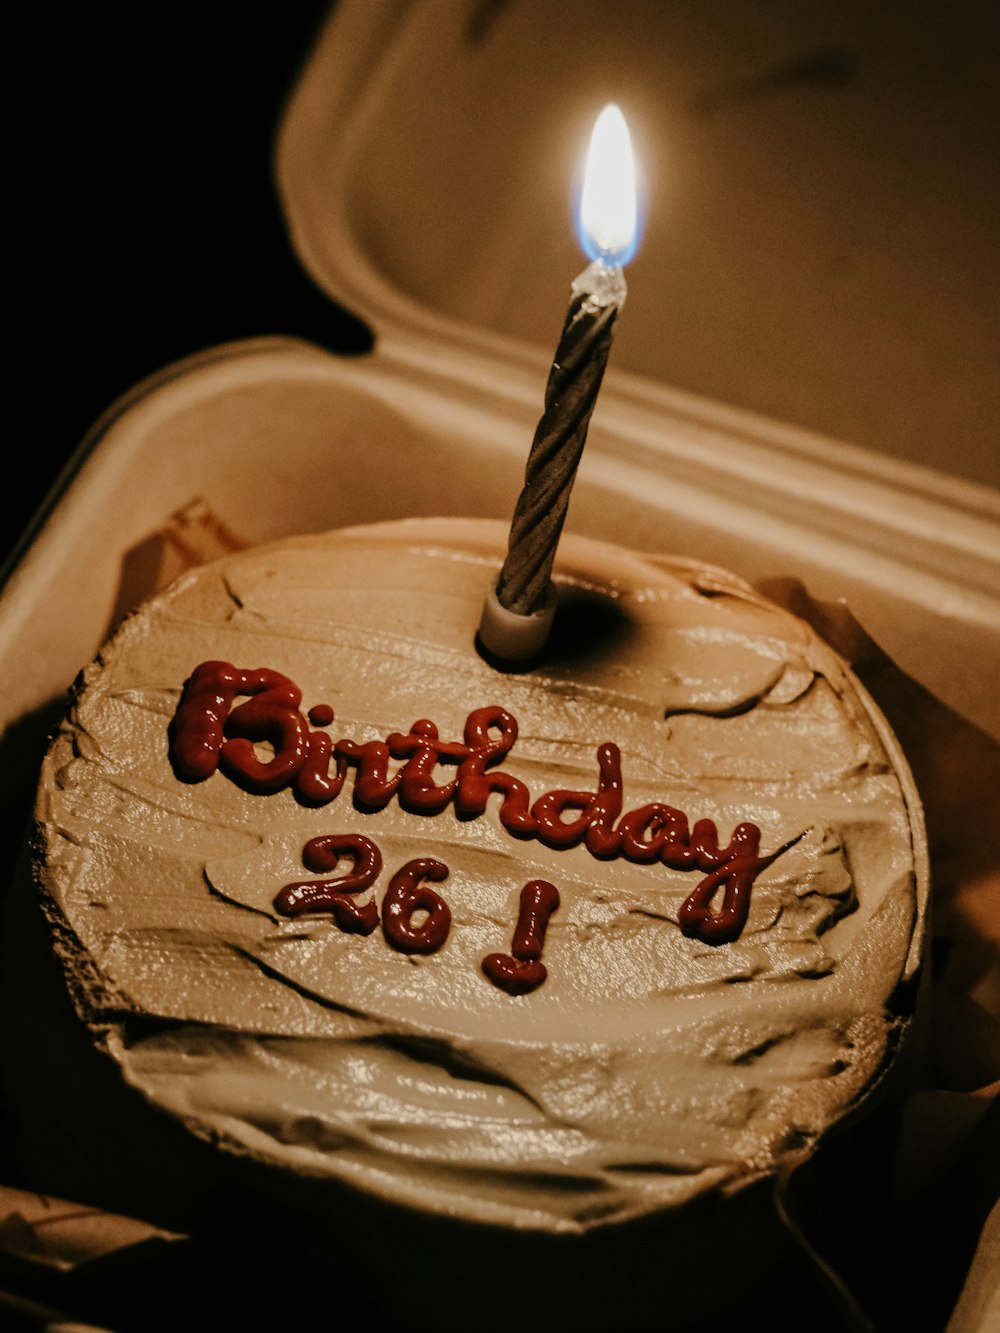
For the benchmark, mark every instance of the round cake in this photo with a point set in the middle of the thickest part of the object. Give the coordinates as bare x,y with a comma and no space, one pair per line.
566,951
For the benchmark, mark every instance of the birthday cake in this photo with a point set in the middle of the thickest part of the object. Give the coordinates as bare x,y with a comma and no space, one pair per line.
554,951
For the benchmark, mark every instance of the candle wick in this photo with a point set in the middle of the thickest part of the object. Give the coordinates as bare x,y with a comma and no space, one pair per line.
602,283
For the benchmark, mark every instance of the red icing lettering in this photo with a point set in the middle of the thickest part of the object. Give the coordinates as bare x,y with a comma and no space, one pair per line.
407,896
696,916
322,855
599,810
645,832
313,781
373,787
734,873
271,715
423,751
522,970
475,785
210,730
198,722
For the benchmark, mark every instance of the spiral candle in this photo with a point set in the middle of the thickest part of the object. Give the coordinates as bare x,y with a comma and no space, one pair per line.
519,608
573,384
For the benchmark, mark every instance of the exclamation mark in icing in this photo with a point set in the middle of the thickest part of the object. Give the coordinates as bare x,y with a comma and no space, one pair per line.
522,970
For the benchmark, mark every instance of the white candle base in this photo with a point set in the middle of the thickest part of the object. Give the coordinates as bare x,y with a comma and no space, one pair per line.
513,637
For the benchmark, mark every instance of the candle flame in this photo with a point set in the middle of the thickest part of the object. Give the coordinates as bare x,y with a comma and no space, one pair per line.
608,212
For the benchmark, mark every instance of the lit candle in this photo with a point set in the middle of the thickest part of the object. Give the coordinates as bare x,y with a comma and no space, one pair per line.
518,611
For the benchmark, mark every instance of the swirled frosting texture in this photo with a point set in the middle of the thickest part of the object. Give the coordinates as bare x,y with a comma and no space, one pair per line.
649,1066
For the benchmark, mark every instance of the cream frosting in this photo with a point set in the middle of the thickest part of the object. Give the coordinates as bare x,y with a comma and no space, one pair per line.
650,1066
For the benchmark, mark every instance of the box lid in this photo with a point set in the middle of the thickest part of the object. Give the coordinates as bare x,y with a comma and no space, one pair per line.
821,186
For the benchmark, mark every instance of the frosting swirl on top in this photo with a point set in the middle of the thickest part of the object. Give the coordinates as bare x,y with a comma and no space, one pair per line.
648,1063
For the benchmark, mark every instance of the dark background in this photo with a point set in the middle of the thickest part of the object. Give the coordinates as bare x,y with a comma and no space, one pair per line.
146,224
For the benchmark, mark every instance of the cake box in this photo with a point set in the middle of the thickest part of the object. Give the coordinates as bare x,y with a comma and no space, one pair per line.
452,391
